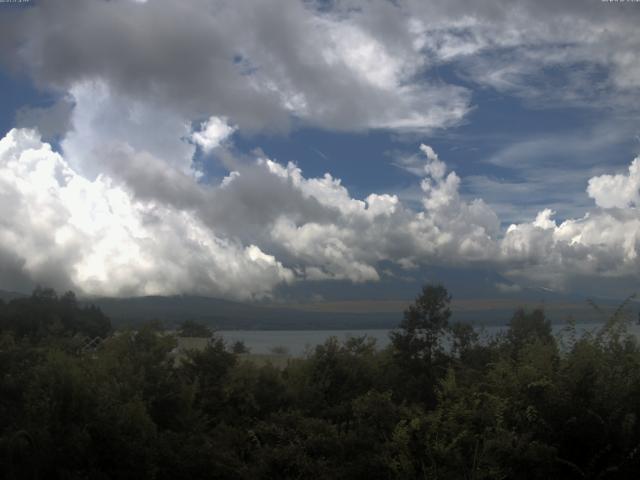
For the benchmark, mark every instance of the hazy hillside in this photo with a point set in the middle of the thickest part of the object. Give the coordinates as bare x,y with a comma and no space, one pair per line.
7,296
329,315
224,314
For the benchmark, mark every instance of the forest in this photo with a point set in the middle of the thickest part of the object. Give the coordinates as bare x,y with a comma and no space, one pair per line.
79,400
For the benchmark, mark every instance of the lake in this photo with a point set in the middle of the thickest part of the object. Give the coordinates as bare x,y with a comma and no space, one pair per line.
298,341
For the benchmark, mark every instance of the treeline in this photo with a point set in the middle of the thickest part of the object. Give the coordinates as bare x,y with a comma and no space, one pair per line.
521,405
47,315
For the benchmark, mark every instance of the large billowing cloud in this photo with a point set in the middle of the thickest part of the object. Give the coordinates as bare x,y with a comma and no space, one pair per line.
263,224
151,90
619,191
347,65
256,63
68,231
107,235
605,242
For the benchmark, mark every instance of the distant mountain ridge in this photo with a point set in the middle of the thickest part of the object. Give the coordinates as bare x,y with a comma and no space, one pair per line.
328,315
230,315
7,295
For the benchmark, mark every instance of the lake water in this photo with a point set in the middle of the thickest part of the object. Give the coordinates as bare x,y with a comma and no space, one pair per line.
297,342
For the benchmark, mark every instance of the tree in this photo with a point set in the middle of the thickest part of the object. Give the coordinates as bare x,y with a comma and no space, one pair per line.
191,328
526,327
45,314
239,347
425,321
208,369
417,348
279,350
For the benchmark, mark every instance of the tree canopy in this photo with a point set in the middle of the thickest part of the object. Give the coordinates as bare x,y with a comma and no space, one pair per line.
525,404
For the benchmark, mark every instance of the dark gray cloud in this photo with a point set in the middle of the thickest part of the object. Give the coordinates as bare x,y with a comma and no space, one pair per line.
13,276
352,66
52,121
256,63
164,51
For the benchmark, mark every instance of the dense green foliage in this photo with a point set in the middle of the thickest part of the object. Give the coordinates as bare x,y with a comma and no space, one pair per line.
437,403
191,328
46,315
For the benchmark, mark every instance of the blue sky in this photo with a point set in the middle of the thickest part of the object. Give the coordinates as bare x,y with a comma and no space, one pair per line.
292,151
499,127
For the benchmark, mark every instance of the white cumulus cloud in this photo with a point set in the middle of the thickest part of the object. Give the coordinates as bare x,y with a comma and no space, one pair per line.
620,191
212,133
94,236
144,226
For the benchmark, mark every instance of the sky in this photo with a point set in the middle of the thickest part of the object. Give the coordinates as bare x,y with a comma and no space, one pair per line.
320,150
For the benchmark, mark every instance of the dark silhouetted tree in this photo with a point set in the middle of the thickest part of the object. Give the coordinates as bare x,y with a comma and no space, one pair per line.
417,344
191,328
424,324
